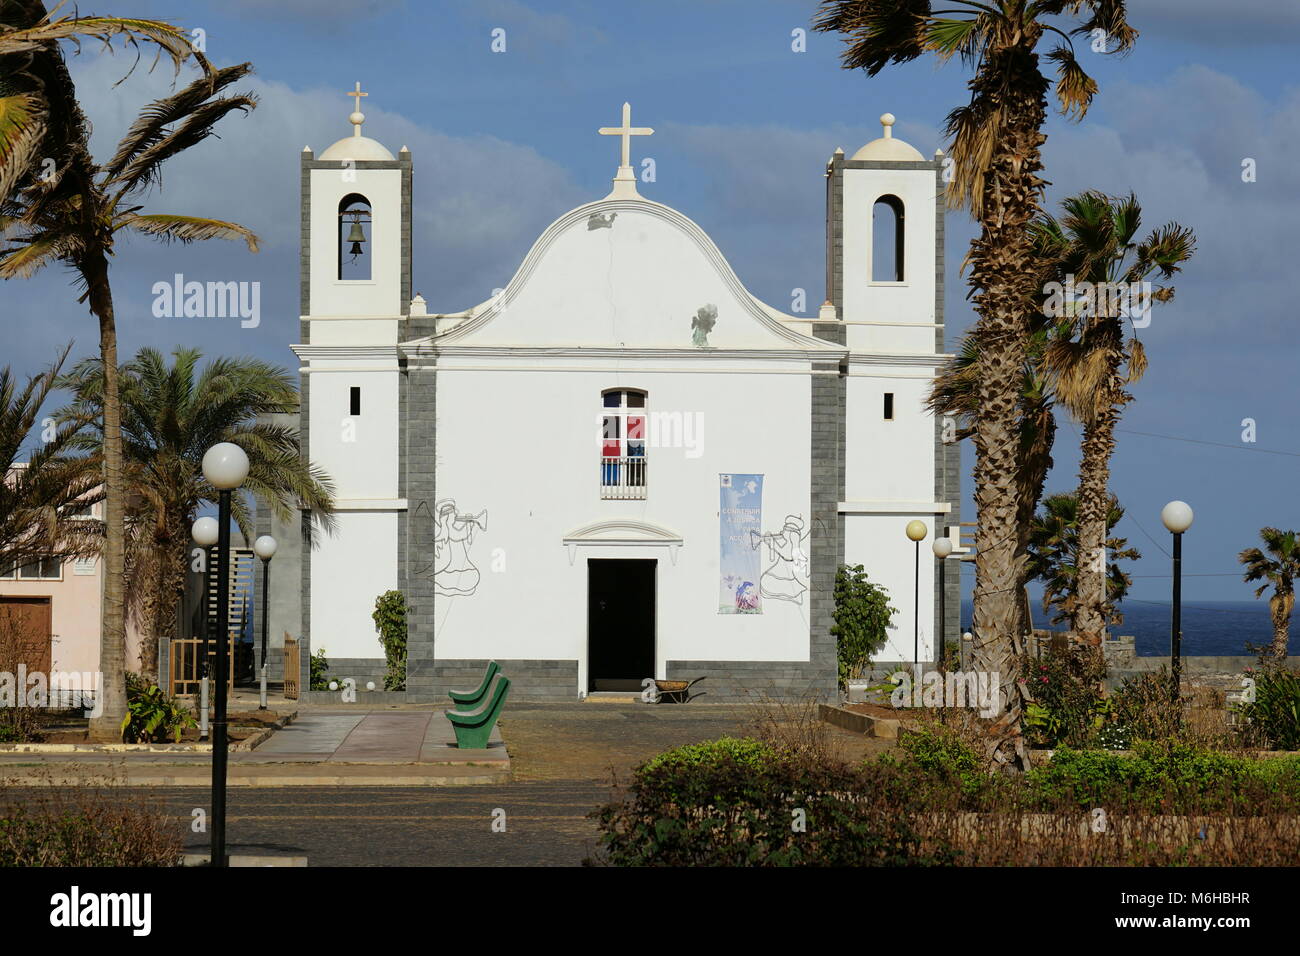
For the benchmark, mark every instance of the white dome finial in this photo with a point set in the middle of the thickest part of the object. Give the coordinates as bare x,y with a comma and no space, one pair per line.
887,121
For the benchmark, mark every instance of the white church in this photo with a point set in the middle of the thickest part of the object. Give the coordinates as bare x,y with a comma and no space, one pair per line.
623,464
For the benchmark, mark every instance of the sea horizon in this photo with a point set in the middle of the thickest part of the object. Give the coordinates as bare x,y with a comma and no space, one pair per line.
1210,628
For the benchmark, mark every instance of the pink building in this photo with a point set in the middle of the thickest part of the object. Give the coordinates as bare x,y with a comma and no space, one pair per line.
58,605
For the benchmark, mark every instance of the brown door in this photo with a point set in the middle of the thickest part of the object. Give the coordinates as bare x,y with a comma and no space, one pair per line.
25,634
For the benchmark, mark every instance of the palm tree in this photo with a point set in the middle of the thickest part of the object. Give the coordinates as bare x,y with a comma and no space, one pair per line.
1279,567
996,142
1055,558
1093,357
955,393
171,415
39,497
74,213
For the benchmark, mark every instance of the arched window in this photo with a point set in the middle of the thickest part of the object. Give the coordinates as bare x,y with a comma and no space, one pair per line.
356,237
622,443
887,240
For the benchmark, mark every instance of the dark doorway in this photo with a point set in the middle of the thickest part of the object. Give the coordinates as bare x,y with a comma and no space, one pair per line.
620,623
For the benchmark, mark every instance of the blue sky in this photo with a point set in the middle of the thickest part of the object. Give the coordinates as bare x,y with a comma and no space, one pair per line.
505,142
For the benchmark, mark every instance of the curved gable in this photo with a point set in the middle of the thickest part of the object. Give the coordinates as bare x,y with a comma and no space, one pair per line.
631,274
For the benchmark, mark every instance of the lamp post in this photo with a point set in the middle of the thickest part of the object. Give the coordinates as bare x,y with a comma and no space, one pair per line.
264,548
204,533
942,547
917,532
1177,517
225,466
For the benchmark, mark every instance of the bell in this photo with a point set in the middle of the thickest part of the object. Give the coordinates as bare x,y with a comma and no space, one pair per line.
356,248
356,236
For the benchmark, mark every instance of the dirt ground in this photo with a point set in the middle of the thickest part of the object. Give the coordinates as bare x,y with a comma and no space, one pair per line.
595,740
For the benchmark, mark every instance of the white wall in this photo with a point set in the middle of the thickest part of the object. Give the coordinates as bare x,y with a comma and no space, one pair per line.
381,294
889,460
358,452
528,453
348,572
880,544
909,301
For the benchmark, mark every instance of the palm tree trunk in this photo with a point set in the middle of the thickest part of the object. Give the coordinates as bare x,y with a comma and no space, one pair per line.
1282,603
1004,278
1036,462
112,638
1096,450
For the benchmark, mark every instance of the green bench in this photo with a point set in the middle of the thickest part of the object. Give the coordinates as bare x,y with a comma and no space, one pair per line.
474,727
469,699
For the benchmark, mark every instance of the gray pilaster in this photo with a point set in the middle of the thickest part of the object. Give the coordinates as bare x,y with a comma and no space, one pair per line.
418,465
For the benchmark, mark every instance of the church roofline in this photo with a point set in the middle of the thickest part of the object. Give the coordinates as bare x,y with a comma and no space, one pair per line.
765,314
431,345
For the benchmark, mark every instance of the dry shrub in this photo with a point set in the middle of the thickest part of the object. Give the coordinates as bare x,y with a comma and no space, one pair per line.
792,725
92,823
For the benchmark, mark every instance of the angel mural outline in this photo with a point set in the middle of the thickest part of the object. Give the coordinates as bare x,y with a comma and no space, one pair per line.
786,577
454,573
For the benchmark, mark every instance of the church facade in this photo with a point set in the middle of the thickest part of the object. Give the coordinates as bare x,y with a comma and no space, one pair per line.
622,465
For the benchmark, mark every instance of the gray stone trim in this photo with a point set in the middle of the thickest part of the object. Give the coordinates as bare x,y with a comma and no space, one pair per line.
835,224
405,160
337,164
754,680
529,680
417,465
304,243
819,675
888,164
947,457
304,538
361,670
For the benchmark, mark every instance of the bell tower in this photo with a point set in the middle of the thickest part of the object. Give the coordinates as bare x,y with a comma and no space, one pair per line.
356,227
885,278
355,297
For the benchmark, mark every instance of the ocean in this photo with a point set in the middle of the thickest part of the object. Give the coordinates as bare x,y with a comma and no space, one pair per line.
1210,628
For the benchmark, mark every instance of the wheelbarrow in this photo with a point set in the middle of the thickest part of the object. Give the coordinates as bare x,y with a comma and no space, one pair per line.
677,691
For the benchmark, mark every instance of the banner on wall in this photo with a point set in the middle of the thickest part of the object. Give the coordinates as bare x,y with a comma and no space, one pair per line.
740,518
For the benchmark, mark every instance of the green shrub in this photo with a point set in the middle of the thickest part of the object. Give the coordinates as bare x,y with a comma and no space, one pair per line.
317,666
741,803
939,753
1169,777
151,714
1068,707
390,621
862,615
1273,717
1142,709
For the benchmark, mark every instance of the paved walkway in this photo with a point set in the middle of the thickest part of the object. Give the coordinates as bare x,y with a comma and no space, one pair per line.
327,747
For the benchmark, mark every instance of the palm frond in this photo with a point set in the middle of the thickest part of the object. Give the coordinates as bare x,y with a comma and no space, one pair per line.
186,229
151,126
22,128
170,40
144,168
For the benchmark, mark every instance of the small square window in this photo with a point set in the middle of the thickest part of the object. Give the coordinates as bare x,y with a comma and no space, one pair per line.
889,406
354,401
613,399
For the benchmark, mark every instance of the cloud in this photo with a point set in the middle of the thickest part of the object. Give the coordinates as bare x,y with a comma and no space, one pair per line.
479,202
1214,23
